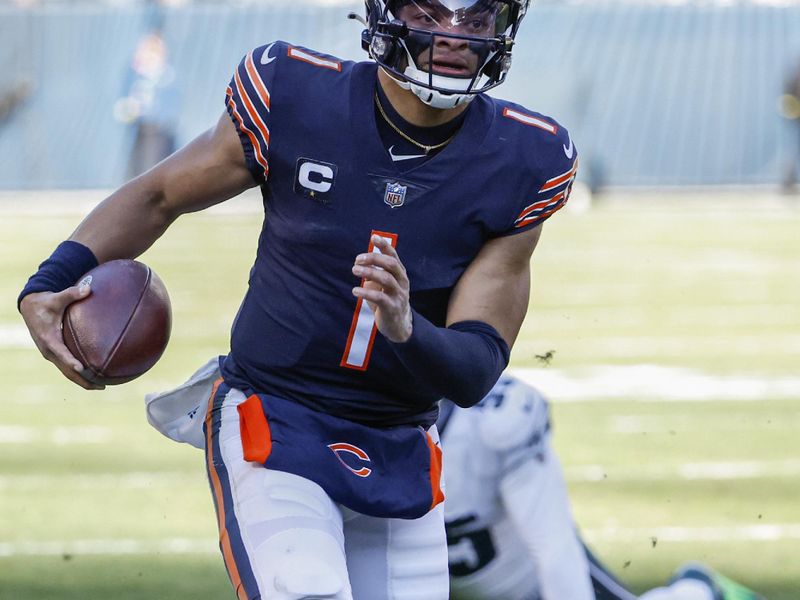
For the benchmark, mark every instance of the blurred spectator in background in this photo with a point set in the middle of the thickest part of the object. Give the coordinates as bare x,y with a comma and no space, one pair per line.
790,108
150,103
13,97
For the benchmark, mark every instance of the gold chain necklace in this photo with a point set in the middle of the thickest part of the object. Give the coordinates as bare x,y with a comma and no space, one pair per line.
424,147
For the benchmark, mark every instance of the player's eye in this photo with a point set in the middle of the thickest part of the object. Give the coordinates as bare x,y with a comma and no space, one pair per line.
478,25
422,19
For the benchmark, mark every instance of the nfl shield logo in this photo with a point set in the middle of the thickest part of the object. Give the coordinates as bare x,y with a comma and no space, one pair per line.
395,195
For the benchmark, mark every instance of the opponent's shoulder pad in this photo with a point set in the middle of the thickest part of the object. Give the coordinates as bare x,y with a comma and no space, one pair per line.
513,415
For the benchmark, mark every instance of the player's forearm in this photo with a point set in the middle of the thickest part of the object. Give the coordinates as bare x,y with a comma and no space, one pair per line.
208,170
461,362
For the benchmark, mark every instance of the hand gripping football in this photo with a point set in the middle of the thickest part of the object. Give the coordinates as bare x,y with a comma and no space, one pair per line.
121,329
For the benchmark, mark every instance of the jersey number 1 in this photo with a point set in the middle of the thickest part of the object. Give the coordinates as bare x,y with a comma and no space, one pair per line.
363,328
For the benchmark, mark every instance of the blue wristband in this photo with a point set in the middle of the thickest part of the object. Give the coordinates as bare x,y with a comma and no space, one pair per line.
461,362
68,263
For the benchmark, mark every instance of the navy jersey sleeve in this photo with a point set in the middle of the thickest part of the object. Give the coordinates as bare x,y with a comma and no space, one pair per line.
553,159
248,102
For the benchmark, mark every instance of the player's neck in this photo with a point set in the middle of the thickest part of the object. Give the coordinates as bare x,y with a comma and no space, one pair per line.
411,108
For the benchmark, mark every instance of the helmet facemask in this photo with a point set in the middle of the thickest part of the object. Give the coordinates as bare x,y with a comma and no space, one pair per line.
445,51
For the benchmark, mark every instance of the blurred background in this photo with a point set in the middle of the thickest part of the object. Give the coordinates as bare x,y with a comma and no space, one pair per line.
660,93
664,322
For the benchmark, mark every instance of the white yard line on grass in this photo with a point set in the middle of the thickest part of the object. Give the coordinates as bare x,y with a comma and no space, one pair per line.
751,469
693,471
14,336
680,346
110,547
58,436
653,383
645,383
741,533
96,481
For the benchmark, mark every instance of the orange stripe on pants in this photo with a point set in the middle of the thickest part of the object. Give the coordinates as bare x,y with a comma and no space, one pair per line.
224,540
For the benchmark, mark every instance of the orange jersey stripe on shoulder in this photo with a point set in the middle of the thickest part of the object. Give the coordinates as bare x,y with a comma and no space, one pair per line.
559,179
250,135
544,215
256,80
250,108
540,205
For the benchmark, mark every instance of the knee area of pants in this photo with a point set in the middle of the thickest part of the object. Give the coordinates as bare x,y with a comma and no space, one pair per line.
300,563
308,578
301,577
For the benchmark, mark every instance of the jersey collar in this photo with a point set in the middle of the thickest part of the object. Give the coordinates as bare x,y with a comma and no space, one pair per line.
455,156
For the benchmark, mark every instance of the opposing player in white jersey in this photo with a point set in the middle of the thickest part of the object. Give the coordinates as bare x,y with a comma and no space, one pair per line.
510,531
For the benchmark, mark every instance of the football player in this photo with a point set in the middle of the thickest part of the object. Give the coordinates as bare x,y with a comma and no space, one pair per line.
510,531
402,206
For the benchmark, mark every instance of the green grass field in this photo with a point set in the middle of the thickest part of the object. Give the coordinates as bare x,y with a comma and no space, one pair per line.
697,460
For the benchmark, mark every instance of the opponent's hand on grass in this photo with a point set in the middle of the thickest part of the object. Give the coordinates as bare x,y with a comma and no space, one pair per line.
385,287
43,313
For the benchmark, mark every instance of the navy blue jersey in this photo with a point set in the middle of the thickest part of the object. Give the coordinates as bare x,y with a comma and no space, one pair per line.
307,125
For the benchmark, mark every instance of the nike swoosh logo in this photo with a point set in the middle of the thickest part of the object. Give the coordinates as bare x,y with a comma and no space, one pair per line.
399,157
265,58
569,151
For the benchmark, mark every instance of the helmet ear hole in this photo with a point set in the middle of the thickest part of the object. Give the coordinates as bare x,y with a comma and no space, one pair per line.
384,49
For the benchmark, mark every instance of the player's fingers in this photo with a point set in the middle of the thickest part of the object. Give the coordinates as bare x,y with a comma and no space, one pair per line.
381,277
78,378
380,260
374,296
58,353
394,318
44,322
384,246
388,263
53,349
71,294
43,313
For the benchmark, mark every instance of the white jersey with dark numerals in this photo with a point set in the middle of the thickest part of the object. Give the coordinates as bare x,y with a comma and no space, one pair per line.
510,533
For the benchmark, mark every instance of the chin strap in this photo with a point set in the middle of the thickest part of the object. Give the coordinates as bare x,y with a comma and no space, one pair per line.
433,98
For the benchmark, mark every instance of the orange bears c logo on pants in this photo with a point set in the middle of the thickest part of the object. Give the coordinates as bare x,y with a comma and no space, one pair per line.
355,450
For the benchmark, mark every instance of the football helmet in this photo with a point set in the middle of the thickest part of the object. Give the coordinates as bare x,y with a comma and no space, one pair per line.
444,51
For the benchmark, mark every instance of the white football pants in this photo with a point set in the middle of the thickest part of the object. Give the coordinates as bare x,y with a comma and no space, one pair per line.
283,538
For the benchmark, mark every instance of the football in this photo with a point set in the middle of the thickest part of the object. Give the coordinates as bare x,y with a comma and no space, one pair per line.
121,329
